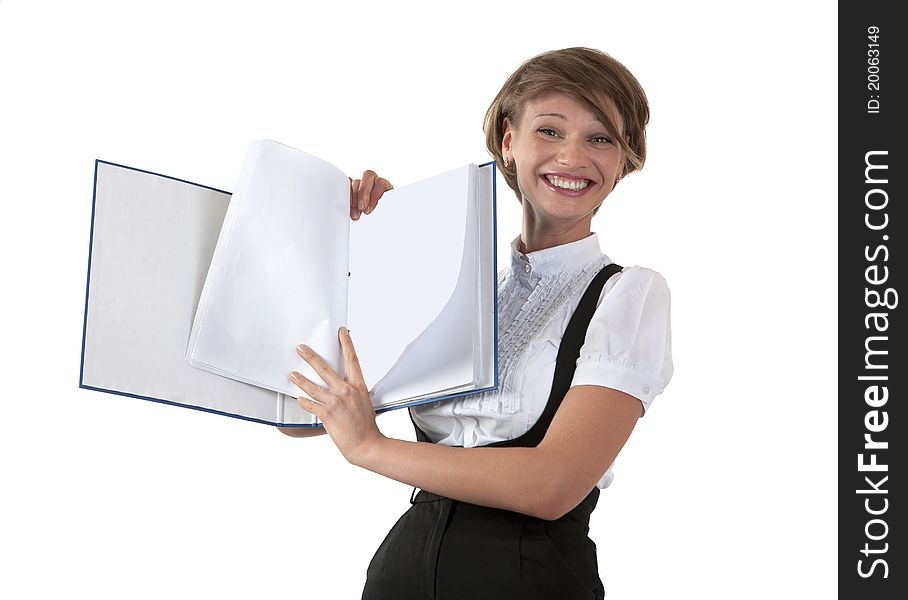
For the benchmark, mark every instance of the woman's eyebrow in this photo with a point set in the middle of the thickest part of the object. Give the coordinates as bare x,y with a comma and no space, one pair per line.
563,118
558,115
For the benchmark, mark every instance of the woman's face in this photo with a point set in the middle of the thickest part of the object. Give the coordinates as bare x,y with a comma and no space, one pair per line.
567,160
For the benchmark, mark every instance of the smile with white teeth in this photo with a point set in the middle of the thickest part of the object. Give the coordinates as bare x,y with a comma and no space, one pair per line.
567,184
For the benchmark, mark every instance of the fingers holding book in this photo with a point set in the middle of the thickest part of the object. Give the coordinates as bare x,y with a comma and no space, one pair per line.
366,192
344,405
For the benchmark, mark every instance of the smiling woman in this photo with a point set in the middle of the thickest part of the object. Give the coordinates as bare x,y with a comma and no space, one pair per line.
508,478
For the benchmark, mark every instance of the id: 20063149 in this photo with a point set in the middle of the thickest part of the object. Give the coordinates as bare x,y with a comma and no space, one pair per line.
873,69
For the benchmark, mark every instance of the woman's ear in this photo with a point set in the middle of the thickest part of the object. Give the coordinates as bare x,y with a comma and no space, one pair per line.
506,141
622,168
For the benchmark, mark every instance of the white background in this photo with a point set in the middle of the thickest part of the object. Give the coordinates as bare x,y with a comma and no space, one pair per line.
725,490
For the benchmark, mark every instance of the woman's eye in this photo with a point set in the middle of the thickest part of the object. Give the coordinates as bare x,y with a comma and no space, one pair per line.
601,139
548,132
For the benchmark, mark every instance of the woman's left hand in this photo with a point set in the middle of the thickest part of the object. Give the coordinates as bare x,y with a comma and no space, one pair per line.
344,406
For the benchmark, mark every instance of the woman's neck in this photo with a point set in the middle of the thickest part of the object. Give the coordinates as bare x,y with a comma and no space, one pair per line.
534,238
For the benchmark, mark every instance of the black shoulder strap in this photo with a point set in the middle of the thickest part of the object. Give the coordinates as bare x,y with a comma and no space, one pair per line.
568,353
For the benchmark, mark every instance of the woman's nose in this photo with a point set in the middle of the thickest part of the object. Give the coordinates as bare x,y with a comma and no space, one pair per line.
570,154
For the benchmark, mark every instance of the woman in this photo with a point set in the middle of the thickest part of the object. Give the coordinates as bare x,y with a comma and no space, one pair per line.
508,479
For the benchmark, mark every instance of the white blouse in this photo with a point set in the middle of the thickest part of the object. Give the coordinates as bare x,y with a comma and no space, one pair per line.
627,346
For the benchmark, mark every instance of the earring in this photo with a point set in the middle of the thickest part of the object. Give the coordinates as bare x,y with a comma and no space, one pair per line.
507,162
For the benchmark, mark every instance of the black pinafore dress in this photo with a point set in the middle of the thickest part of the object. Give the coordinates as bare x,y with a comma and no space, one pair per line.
444,549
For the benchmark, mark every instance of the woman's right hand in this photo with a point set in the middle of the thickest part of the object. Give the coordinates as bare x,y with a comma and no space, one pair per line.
365,193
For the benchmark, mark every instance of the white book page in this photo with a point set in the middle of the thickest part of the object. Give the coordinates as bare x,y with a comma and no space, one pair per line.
405,259
278,277
152,241
441,358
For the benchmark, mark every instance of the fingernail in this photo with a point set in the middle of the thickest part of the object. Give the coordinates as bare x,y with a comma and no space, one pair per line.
362,206
302,347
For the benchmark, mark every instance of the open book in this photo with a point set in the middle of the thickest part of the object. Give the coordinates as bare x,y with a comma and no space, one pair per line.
180,271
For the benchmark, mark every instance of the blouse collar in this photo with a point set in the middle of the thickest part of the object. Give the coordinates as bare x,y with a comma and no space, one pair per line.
551,261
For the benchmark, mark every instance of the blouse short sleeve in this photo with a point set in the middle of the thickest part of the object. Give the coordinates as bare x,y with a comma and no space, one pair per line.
628,343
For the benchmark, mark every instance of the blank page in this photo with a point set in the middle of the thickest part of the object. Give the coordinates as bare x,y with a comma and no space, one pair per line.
441,357
405,259
278,277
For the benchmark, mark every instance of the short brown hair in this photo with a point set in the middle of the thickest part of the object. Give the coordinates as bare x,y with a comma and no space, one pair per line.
591,77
